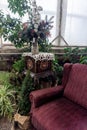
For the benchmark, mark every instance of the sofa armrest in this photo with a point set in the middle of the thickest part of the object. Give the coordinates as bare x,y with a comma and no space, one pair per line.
39,97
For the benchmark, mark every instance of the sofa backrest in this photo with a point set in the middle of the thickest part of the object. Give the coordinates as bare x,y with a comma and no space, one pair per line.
66,72
76,86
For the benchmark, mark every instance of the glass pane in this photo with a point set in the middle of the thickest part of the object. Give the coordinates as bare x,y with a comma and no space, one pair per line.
76,23
49,9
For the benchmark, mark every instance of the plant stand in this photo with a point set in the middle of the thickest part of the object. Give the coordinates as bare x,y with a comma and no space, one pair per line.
40,66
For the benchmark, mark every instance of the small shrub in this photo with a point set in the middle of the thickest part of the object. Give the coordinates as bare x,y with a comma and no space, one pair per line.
27,87
17,74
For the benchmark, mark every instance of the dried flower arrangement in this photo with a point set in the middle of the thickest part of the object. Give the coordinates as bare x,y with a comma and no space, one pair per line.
36,29
33,30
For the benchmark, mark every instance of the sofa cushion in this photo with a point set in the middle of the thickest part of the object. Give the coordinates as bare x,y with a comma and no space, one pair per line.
76,87
60,114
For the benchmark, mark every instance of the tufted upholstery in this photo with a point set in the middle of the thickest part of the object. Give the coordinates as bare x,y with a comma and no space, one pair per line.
76,88
68,110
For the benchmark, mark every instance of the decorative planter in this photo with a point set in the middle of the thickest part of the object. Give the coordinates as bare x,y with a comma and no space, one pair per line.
38,63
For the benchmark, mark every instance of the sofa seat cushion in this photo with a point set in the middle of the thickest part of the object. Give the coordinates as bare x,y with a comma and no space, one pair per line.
76,87
60,114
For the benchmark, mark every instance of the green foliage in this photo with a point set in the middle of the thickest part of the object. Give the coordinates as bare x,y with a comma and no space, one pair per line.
83,59
58,69
45,47
17,74
16,79
19,65
83,56
1,22
27,87
75,55
71,54
6,99
19,6
22,83
4,77
10,28
23,33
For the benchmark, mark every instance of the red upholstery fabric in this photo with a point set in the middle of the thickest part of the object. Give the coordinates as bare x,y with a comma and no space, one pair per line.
66,72
76,88
65,112
60,114
40,97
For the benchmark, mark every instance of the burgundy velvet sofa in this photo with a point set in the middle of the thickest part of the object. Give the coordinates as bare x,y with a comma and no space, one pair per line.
62,107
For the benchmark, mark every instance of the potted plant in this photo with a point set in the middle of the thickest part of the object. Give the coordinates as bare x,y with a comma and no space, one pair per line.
6,101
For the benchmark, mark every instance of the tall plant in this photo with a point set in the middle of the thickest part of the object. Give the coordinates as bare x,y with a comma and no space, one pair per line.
27,87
